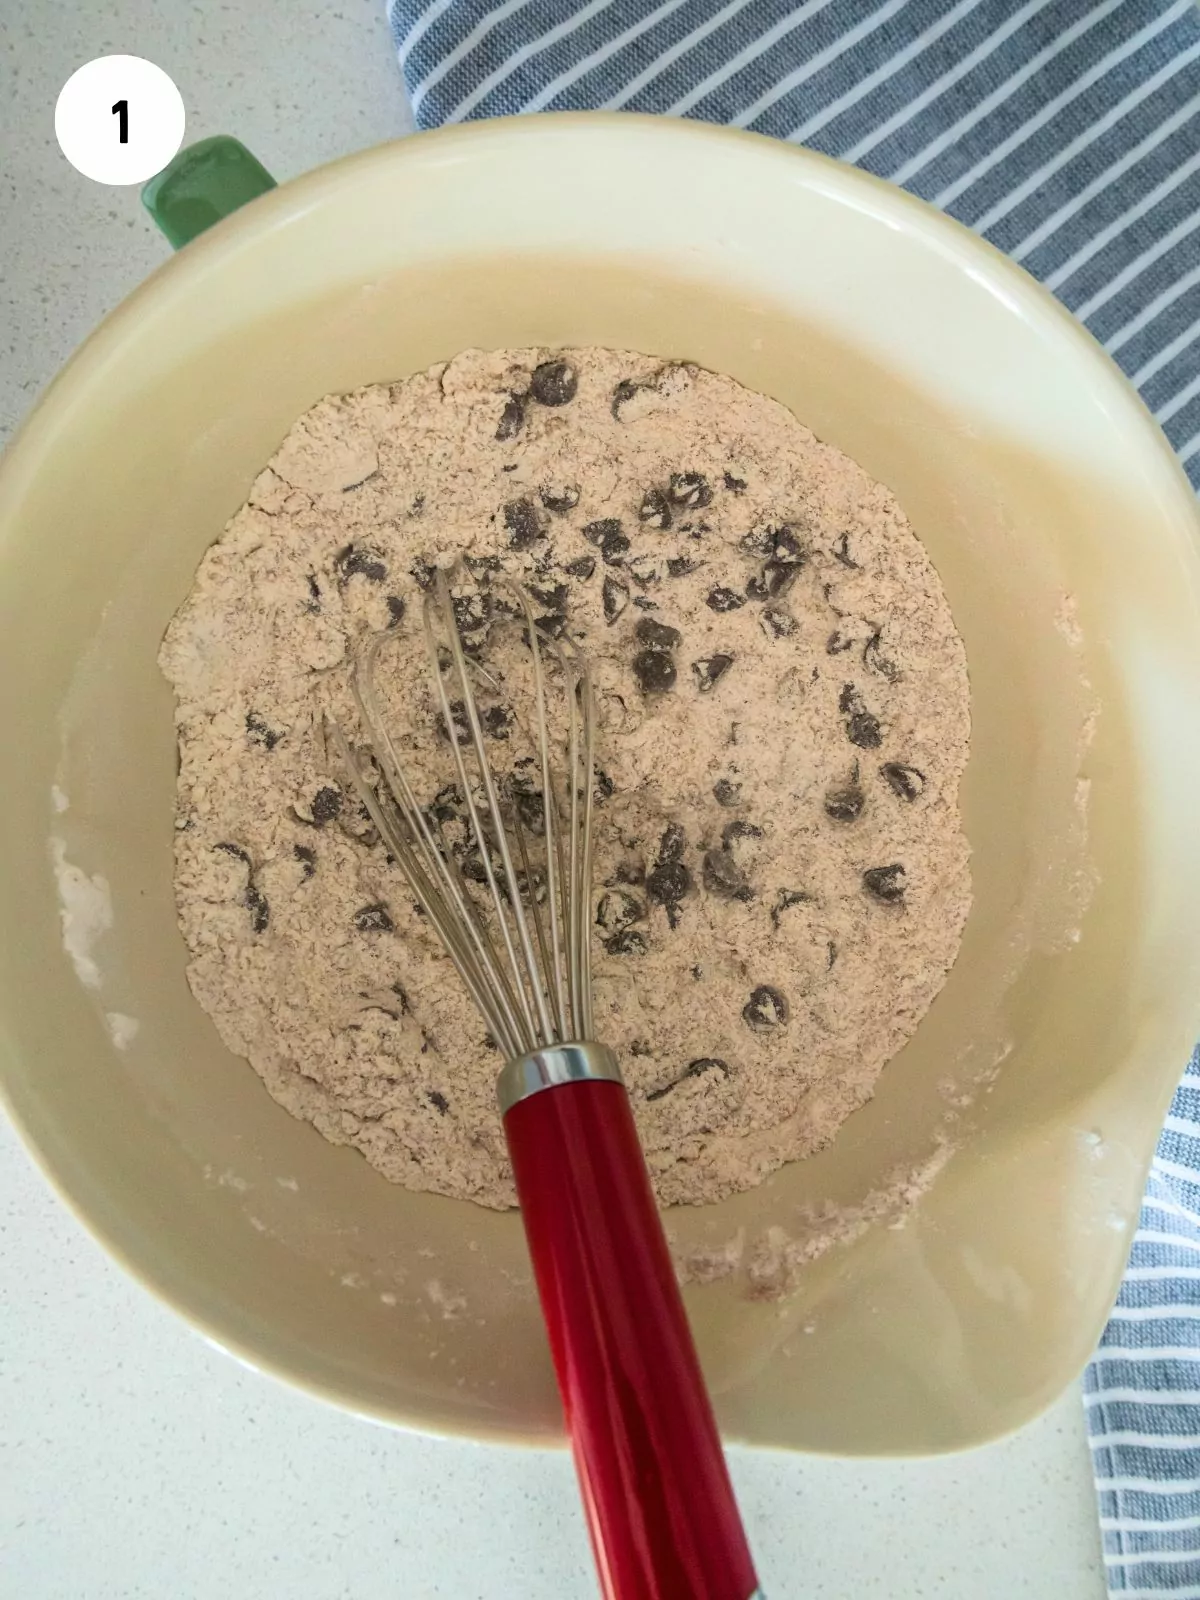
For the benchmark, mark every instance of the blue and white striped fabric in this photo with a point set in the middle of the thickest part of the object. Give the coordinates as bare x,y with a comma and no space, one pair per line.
1142,1390
1067,132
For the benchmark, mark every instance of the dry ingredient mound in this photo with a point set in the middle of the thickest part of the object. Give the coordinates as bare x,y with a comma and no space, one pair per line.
781,873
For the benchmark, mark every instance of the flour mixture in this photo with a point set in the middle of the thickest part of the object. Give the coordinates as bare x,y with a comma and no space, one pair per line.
781,873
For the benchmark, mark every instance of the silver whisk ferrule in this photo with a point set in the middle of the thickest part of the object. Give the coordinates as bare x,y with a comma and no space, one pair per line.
550,1068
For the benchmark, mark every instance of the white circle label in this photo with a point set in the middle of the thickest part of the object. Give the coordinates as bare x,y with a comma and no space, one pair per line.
119,119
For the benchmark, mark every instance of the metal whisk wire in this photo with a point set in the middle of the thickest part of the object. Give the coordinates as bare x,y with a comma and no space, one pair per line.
536,991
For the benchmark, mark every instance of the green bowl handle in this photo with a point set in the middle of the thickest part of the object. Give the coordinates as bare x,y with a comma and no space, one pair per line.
204,183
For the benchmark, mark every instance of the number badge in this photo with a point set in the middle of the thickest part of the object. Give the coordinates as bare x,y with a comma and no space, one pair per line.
119,119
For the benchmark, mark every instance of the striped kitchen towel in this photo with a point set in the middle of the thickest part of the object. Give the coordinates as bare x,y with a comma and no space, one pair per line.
1142,1390
1067,132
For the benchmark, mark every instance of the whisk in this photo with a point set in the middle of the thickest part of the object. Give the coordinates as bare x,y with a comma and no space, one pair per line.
659,1504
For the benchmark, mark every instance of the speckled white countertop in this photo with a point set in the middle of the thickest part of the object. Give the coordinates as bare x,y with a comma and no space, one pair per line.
138,1463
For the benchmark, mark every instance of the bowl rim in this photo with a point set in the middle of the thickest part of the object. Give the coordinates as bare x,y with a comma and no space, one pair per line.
23,457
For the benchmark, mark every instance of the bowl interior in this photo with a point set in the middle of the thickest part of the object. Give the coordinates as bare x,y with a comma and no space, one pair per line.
1066,540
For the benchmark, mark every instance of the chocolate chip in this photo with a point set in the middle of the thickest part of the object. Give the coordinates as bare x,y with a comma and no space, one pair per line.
583,567
614,598
471,866
553,624
423,574
681,567
373,919
256,903
786,899
234,850
554,383
459,721
645,571
775,579
694,1069
359,561
448,804
622,395
523,524
874,658
559,498
512,418
721,600
690,489
396,608
605,787
765,1009
618,910
673,842
841,551
313,603
556,599
258,732
496,720
471,612
438,1101
904,781
325,805
482,567
615,546
886,883
710,670
845,804
670,880
669,883
530,806
723,876
307,857
778,624
655,509
838,643
726,793
654,671
658,635
739,828
629,942
773,541
735,485
863,730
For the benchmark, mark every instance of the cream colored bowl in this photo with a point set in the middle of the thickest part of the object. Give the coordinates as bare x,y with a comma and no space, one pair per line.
1067,539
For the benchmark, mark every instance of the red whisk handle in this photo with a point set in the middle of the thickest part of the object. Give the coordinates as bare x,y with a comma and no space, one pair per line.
656,1490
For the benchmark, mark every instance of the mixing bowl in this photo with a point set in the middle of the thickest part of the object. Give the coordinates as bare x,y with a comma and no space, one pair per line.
943,1269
